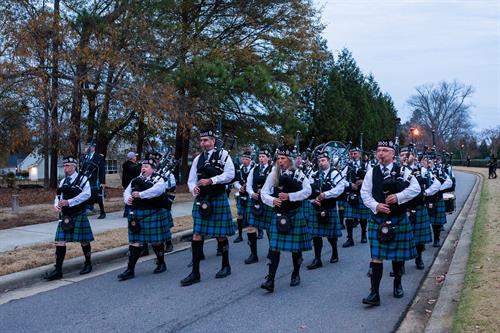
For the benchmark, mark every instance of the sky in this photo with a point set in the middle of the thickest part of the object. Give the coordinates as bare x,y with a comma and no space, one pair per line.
408,43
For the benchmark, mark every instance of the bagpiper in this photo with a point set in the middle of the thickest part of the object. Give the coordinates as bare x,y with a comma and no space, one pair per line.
327,185
72,195
241,196
147,220
386,188
210,172
261,215
417,208
93,165
285,189
356,212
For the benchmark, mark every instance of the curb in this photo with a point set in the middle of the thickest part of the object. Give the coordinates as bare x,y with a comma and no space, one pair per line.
451,260
25,278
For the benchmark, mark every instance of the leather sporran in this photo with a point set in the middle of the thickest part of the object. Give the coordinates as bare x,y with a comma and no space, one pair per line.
283,223
67,224
134,225
258,208
323,216
386,232
205,208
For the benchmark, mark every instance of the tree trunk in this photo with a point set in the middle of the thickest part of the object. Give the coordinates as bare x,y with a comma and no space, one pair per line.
141,133
76,105
103,131
54,96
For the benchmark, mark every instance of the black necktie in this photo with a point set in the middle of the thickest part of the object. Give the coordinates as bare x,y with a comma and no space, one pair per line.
385,171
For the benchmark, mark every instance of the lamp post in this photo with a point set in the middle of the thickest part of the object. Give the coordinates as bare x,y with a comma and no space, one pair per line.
461,154
414,132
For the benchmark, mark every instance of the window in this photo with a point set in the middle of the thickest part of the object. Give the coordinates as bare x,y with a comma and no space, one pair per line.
111,166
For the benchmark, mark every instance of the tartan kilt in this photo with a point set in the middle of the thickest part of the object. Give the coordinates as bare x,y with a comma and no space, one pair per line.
422,228
81,233
169,221
154,226
330,230
341,205
297,239
362,212
308,210
439,217
262,221
401,248
243,211
219,224
349,211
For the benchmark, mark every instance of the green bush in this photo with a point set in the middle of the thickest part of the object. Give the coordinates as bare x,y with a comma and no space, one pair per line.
10,179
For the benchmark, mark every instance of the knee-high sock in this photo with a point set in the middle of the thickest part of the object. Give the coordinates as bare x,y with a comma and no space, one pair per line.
333,243
159,250
274,256
318,246
60,253
86,253
224,245
377,269
134,254
252,241
197,253
297,261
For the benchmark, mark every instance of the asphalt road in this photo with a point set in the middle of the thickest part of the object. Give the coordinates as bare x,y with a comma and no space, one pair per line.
328,299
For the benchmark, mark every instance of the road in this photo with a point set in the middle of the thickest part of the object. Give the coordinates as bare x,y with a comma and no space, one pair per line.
328,299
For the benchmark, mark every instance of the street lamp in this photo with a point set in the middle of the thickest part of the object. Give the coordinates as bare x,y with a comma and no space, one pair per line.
461,155
414,132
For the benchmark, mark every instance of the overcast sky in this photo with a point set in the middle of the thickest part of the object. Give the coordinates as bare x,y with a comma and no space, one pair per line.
408,43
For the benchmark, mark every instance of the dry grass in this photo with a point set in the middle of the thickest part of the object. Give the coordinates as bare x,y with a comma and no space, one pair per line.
479,307
43,254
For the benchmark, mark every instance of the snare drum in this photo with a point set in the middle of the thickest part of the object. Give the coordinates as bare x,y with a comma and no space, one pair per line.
449,202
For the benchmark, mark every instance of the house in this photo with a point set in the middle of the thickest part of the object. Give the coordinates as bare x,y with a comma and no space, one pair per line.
12,164
34,163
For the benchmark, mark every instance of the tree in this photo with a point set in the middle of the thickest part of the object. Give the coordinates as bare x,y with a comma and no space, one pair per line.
444,108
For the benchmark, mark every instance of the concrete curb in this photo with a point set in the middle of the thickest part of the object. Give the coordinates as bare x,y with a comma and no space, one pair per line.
446,306
456,245
24,278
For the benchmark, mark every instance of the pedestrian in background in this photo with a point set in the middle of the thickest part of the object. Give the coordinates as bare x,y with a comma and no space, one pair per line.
130,170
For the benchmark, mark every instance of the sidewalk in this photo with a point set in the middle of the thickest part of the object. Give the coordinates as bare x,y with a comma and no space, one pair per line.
11,239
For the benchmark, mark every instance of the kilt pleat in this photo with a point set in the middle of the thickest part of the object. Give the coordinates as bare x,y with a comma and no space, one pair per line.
261,221
422,233
297,239
154,226
219,223
401,248
243,211
169,221
438,215
330,230
81,233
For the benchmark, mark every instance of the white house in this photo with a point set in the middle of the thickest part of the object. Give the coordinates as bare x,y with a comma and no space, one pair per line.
34,163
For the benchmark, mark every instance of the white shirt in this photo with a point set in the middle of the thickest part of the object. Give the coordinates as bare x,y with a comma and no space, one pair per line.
250,178
80,198
267,190
447,183
338,184
404,196
155,191
436,184
237,185
170,180
224,178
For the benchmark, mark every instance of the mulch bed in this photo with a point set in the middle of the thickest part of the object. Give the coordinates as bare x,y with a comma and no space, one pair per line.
34,196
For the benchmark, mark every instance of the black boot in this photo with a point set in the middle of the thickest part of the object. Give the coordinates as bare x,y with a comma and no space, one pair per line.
240,231
363,223
100,201
194,276
202,257
260,233
349,242
335,253
56,274
160,258
318,245
169,247
134,254
145,250
398,288
268,284
376,269
418,260
341,219
87,266
252,241
226,268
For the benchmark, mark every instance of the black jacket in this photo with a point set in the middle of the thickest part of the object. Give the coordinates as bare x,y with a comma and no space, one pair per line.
130,170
